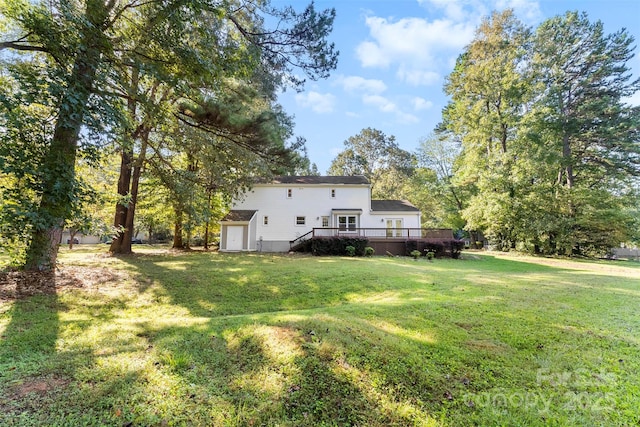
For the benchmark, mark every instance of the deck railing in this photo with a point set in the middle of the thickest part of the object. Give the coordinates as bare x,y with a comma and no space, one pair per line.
375,233
384,233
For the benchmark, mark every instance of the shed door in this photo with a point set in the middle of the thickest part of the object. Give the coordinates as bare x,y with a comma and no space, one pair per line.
235,235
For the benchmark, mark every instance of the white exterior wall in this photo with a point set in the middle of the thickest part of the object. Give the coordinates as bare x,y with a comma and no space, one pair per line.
313,202
409,219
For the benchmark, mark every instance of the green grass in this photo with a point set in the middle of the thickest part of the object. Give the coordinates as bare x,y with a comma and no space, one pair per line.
228,339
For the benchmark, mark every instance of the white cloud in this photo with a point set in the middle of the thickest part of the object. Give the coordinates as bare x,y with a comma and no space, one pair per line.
413,45
406,118
386,106
526,10
360,84
418,77
421,103
458,10
318,102
382,103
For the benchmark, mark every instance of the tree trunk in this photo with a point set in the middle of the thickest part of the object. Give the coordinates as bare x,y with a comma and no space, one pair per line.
124,182
72,235
58,166
119,244
568,161
177,229
122,244
206,227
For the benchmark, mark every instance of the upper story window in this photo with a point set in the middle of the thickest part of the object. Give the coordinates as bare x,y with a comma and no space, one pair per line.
289,193
333,193
301,220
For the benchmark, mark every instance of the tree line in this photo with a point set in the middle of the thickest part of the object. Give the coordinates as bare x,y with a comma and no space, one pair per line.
182,93
538,147
144,114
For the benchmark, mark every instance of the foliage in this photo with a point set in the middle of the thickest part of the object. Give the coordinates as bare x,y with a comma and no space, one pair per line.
369,251
378,158
119,70
337,245
451,248
415,254
258,339
431,187
549,148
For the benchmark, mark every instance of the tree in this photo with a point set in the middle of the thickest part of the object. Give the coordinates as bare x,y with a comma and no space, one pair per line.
488,94
586,131
378,157
252,53
432,189
550,150
87,49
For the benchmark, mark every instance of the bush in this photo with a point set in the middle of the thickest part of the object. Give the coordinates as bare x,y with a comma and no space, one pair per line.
439,247
351,251
410,246
338,245
416,254
369,251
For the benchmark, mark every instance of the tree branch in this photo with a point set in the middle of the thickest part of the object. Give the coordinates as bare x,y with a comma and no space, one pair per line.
23,47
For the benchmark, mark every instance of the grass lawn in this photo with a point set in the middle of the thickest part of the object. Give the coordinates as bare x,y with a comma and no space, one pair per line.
197,338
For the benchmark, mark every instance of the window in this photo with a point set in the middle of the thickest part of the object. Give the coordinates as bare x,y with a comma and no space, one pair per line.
265,220
301,220
394,227
289,193
333,193
347,222
325,221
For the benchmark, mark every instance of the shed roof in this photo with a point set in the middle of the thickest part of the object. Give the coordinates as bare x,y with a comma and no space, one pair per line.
393,206
239,215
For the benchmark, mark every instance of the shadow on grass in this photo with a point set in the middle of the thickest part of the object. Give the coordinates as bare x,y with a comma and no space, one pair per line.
326,344
28,340
41,379
293,372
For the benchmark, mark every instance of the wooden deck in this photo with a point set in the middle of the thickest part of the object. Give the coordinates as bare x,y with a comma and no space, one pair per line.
383,240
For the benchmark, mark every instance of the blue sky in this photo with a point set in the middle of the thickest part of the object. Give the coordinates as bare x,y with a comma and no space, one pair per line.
395,55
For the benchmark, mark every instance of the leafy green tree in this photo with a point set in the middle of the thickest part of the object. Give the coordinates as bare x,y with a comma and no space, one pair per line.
589,136
431,187
249,52
378,157
488,94
97,54
549,148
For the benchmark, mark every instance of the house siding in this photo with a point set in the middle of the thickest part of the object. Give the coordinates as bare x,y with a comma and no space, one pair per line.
283,202
312,202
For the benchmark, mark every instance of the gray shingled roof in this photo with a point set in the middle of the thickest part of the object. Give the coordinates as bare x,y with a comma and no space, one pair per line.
239,215
357,179
392,206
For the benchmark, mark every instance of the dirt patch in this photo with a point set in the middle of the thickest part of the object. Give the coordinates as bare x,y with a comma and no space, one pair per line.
487,345
39,386
21,284
465,326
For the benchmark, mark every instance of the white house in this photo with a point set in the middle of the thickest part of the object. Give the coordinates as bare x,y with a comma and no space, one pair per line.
272,215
